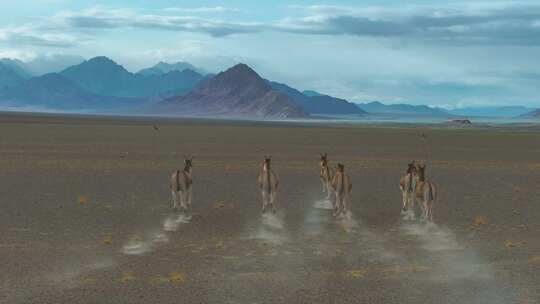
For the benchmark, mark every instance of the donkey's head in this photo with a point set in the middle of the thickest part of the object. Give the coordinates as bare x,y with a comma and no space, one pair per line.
421,172
411,168
324,160
340,168
267,161
188,163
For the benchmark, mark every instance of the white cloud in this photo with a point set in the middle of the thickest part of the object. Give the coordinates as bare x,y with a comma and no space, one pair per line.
29,36
204,9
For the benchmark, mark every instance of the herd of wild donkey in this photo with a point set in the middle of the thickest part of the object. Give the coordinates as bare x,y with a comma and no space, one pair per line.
336,183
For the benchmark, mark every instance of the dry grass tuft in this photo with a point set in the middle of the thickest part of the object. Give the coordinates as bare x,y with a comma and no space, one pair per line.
127,277
107,240
83,200
480,221
357,273
177,277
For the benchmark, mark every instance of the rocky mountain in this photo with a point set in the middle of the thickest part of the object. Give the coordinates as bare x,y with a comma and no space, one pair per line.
238,91
55,91
376,107
164,67
317,103
102,76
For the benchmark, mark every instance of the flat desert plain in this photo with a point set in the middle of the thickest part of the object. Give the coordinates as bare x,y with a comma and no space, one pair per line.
86,218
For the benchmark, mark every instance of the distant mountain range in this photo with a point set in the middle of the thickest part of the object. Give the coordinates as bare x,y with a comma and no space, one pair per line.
56,92
102,76
100,84
504,111
376,107
531,114
163,68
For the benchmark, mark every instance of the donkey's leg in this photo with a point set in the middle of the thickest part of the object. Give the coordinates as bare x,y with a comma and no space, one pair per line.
412,205
328,190
430,211
425,209
264,200
183,198
405,200
324,186
174,200
273,199
339,204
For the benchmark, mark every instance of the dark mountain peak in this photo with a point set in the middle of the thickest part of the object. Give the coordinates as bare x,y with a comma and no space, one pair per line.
240,76
102,62
375,103
165,67
242,69
101,59
96,66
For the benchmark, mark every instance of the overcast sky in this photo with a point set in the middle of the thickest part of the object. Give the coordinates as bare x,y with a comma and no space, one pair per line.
468,53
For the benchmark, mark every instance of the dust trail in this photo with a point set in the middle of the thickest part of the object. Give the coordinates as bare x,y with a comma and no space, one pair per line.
173,222
317,218
323,204
329,234
140,245
68,276
347,222
408,215
459,269
271,228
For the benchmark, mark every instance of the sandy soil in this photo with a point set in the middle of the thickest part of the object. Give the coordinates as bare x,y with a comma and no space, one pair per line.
86,216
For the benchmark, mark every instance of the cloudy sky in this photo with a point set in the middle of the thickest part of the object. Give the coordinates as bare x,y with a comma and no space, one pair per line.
468,53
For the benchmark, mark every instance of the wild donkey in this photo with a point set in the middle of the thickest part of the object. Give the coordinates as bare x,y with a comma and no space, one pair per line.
268,183
326,175
426,193
181,184
342,187
407,185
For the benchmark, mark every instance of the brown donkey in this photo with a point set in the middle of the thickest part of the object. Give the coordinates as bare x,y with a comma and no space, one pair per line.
181,183
407,185
326,175
342,187
268,184
426,193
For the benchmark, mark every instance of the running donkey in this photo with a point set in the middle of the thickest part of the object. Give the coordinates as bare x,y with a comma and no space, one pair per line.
425,192
326,175
407,185
181,184
268,183
342,187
